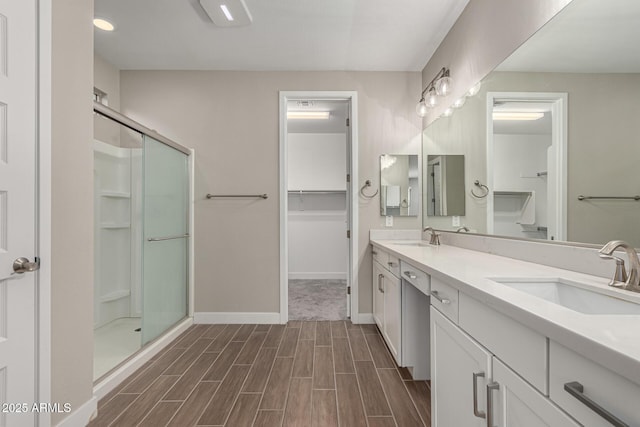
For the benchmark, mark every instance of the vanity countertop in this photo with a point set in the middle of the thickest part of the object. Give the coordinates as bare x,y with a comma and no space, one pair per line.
610,340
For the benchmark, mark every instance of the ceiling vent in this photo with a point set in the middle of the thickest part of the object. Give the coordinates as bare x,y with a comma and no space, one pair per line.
227,13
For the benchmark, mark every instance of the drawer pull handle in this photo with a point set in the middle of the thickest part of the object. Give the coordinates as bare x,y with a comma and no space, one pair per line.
410,275
439,298
392,264
374,252
380,287
490,388
476,412
576,390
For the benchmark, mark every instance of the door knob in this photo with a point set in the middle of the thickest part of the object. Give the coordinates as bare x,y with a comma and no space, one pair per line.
23,265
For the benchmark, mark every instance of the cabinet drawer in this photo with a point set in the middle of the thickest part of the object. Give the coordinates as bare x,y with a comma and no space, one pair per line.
521,348
614,394
445,299
379,255
416,277
393,265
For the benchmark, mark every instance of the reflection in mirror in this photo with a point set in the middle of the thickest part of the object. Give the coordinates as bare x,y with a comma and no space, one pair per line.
589,54
445,185
399,185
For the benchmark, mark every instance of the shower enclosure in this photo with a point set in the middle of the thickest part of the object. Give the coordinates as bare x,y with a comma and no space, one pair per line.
141,208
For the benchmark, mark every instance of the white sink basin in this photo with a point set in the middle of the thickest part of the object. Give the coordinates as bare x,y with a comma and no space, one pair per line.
416,243
575,296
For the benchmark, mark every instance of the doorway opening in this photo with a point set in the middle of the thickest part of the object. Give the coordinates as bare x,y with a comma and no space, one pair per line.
526,165
317,208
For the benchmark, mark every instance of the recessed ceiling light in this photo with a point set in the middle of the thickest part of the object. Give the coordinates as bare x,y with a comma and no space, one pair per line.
103,24
227,13
517,115
308,115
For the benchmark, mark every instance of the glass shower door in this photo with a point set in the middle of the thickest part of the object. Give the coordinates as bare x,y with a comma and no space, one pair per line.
166,240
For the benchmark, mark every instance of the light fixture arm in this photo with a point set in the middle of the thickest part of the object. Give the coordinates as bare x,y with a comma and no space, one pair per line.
444,72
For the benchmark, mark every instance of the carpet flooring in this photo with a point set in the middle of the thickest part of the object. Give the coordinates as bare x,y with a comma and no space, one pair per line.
317,299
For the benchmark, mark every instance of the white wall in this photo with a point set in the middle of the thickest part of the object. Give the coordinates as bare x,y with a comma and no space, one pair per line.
72,205
317,161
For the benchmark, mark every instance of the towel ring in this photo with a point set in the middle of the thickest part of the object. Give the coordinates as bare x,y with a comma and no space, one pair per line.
367,183
482,187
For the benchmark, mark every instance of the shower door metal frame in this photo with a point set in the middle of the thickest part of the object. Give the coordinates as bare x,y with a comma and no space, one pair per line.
132,124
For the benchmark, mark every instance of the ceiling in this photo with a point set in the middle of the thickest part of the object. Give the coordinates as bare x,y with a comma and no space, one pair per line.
589,36
294,35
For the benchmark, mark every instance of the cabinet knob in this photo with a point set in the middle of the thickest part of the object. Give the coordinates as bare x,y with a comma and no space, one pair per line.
392,264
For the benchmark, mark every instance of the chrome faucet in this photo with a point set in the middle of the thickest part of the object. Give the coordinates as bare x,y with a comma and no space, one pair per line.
632,280
463,228
435,237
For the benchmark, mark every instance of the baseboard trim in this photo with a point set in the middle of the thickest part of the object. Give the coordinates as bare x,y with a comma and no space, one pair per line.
109,383
364,318
317,276
231,317
81,416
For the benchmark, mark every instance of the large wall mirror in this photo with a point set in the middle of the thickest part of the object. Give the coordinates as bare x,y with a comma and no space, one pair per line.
399,185
554,133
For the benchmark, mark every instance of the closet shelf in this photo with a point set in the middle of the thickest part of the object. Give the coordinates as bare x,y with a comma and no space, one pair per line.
115,194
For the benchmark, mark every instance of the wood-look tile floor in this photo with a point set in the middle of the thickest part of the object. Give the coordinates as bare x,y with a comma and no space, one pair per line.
305,373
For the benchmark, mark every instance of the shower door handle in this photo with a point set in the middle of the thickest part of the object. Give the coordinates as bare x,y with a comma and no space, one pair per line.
160,239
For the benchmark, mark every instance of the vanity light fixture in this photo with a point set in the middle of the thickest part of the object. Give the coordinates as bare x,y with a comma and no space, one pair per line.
308,115
474,90
439,86
459,102
103,24
517,115
448,112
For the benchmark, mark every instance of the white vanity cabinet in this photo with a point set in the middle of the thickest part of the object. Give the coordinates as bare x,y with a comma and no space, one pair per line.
387,299
591,393
515,403
487,368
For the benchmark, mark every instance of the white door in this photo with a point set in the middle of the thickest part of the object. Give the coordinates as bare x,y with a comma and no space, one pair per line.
17,210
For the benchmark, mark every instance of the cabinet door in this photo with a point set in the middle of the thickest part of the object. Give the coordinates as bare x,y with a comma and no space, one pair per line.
378,295
392,330
517,404
456,357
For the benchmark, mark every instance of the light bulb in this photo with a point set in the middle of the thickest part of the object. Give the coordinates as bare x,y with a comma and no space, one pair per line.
475,89
443,86
459,102
448,112
421,108
432,98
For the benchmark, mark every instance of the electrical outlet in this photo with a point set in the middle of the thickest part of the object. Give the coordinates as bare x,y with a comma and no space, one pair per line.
455,221
389,221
